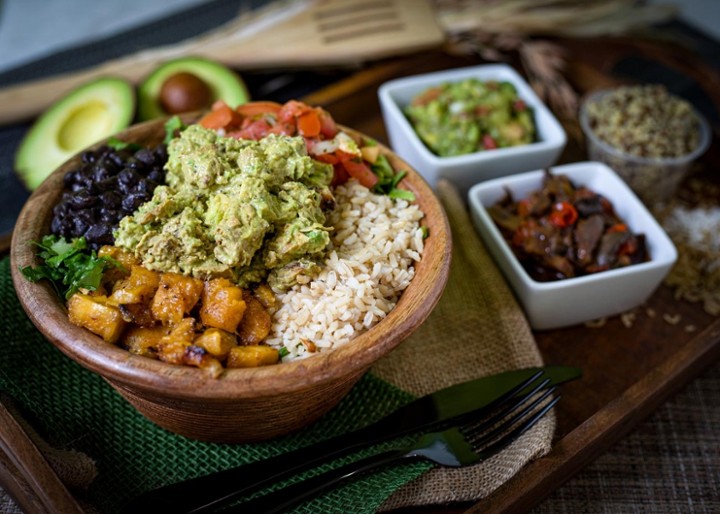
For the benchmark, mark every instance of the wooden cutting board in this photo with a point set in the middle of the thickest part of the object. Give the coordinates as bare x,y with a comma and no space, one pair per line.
287,33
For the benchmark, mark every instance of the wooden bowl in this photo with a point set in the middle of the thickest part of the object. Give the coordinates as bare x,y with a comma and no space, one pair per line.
243,404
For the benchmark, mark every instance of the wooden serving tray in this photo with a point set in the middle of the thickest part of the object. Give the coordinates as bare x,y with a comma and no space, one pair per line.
628,372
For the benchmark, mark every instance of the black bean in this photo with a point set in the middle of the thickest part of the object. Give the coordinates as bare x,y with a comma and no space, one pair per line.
128,176
156,175
82,199
101,172
142,187
78,226
110,199
107,186
89,156
99,233
132,202
145,155
110,216
71,178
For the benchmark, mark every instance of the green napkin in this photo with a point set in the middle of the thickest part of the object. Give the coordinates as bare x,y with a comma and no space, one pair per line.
75,409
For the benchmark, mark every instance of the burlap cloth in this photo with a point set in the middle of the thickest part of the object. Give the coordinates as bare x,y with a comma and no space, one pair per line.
477,329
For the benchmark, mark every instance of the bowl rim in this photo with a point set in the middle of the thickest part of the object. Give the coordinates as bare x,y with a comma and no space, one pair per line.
123,369
703,143
660,237
558,137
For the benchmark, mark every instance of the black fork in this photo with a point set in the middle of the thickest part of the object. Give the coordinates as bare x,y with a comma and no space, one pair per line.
218,489
455,447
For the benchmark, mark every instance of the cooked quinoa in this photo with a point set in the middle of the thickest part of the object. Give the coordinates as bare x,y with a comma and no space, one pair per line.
645,121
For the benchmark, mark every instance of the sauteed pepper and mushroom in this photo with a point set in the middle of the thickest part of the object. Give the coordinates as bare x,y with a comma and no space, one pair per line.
564,231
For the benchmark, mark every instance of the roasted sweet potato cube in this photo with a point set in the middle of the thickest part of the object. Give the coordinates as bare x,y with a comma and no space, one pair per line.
264,294
125,258
252,356
256,323
144,340
171,347
222,304
183,331
138,287
138,314
175,296
95,314
199,357
217,342
172,351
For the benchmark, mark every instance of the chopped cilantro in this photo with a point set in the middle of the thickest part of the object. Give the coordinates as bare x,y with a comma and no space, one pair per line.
388,180
425,231
117,144
68,266
173,125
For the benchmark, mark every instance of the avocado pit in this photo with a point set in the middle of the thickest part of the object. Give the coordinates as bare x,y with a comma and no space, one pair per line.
184,92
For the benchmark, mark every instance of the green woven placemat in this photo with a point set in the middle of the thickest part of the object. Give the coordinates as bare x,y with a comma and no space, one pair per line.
75,409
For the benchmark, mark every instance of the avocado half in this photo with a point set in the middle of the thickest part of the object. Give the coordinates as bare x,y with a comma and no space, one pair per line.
84,116
224,84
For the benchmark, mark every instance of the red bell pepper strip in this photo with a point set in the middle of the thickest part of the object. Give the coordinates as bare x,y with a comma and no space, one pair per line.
563,214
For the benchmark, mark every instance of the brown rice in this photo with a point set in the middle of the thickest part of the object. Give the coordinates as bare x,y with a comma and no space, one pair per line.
376,242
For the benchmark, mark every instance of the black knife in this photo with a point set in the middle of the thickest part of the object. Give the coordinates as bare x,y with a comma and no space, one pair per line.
208,492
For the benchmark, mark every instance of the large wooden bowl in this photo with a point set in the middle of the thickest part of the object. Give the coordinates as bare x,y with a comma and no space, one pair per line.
244,404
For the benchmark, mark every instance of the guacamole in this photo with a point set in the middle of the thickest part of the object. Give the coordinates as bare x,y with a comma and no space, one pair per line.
242,209
471,116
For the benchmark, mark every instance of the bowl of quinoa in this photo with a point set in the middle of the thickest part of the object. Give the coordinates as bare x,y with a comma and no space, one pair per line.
649,136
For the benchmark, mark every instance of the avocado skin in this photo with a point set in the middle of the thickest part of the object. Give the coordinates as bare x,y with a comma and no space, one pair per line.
46,145
224,83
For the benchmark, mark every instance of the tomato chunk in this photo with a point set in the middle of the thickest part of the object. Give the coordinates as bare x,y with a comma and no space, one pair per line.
308,124
222,116
360,171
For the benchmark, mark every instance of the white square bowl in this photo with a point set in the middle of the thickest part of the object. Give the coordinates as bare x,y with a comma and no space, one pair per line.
466,170
576,300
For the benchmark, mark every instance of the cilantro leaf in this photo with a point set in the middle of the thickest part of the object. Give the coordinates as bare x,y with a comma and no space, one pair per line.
117,144
68,265
388,180
172,126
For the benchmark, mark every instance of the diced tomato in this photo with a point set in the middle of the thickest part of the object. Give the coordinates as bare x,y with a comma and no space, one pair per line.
340,176
563,214
345,156
357,169
326,157
328,127
221,116
255,130
489,143
519,105
251,109
308,124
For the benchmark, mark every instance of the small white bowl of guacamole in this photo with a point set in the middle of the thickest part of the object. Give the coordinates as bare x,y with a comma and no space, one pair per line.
470,124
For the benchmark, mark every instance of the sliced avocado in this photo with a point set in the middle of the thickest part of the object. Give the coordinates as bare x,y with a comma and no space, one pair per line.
84,116
222,83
